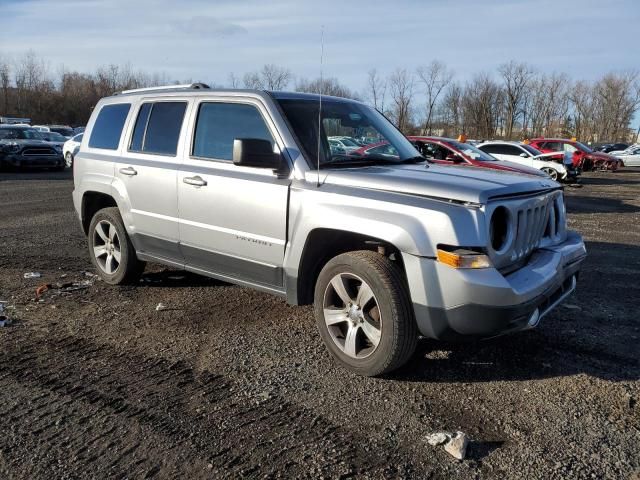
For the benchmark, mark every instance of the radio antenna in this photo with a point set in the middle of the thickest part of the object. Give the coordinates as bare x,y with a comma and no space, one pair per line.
320,99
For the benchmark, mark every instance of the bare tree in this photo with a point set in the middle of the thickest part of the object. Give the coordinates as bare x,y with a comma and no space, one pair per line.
401,84
482,102
325,86
452,110
516,78
234,81
5,81
275,77
435,77
377,87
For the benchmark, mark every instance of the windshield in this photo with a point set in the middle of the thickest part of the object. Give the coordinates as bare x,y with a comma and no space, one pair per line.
53,137
67,132
19,134
583,147
471,151
531,150
342,119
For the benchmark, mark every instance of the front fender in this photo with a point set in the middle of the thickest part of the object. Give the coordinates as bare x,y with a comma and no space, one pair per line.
412,224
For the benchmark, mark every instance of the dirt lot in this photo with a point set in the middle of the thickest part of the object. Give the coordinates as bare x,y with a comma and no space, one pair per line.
227,382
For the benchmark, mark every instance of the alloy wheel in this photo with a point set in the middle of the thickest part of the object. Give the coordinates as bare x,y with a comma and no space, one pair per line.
352,315
106,247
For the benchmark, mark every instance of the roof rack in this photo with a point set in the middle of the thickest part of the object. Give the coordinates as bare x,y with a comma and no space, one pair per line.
185,86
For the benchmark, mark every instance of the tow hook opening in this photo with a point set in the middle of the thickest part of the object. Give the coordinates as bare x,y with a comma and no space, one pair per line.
534,319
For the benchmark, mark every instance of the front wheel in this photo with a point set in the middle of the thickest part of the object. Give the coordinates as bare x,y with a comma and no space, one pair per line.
552,172
111,250
68,160
364,314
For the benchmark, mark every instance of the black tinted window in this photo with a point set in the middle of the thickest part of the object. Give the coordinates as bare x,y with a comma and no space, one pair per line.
220,123
108,126
490,148
163,128
141,126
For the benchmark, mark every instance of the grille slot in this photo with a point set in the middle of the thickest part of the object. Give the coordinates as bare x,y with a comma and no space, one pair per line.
531,223
38,151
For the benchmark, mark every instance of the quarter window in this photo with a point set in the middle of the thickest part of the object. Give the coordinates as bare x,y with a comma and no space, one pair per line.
107,128
158,127
219,124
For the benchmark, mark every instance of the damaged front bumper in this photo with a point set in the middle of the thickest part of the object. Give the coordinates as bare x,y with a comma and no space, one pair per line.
454,304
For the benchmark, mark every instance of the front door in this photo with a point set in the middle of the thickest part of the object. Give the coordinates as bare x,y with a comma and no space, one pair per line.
233,219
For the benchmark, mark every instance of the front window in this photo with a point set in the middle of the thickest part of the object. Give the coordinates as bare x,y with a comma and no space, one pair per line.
471,152
346,119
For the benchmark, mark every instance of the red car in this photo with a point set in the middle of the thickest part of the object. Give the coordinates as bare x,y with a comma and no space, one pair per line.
583,157
446,151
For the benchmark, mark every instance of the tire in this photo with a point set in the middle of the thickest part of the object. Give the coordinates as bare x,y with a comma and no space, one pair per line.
371,337
68,160
111,250
552,172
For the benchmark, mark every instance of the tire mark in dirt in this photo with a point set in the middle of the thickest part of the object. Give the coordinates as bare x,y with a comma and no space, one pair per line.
94,411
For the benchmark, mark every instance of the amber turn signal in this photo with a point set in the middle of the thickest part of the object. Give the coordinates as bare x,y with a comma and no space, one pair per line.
463,259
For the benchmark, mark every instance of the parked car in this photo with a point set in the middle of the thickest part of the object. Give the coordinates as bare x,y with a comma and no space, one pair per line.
41,128
77,130
54,138
70,149
629,156
23,147
347,143
522,154
446,151
62,130
610,147
583,157
386,247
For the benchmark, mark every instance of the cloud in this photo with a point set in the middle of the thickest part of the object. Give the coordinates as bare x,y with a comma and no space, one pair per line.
208,26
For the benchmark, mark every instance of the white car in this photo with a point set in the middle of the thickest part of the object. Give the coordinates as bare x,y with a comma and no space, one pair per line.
70,149
630,157
524,154
347,143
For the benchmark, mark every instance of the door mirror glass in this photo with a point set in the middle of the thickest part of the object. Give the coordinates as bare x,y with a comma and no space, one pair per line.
255,152
524,155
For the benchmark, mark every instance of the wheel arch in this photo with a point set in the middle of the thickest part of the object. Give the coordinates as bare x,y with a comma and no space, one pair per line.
92,202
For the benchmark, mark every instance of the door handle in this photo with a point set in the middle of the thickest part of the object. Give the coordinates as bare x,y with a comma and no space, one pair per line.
195,181
128,171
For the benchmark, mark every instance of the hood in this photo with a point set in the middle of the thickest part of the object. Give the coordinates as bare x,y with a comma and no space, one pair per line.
602,156
516,167
24,142
460,184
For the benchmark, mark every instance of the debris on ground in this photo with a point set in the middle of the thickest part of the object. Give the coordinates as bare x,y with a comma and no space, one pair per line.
571,306
455,444
32,275
160,307
67,287
4,318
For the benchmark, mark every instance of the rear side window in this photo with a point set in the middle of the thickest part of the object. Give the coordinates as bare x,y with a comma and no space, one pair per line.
158,127
107,128
219,124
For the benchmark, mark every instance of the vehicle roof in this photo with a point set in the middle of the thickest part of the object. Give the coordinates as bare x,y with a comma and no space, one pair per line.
540,139
200,91
20,127
510,142
430,137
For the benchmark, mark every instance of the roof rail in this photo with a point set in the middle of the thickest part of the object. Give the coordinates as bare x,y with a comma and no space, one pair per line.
195,86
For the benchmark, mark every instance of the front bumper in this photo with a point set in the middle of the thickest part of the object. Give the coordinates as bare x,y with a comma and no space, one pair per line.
452,304
32,161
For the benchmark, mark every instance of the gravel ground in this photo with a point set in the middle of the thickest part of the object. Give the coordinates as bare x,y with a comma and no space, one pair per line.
227,382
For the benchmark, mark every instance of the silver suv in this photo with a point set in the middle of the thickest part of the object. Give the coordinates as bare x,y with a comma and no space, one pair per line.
243,186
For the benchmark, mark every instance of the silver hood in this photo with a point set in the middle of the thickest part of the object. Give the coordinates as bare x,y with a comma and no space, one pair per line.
460,184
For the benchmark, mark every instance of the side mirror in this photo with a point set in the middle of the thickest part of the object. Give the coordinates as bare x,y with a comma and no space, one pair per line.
255,152
524,155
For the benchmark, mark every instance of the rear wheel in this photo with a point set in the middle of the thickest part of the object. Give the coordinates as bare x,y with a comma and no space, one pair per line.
363,313
111,250
68,160
553,173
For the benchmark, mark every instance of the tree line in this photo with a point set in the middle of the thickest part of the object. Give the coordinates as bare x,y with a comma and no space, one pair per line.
514,102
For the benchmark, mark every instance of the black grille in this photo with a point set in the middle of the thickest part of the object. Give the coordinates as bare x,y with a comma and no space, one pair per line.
38,151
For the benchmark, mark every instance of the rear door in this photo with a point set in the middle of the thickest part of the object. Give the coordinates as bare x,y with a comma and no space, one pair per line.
233,219
148,173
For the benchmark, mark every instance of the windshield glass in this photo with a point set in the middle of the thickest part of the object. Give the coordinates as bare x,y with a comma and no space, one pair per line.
342,119
583,147
67,132
53,137
471,151
531,150
19,134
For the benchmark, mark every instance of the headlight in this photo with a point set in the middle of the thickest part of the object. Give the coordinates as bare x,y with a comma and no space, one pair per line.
58,148
11,147
462,258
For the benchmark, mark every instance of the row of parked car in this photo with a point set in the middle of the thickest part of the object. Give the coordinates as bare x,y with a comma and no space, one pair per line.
559,159
39,146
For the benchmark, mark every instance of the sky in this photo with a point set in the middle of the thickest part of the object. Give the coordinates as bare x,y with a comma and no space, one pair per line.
205,40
